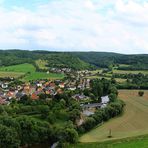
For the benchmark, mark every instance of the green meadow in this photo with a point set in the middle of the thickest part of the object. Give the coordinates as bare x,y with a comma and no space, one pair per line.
28,72
133,142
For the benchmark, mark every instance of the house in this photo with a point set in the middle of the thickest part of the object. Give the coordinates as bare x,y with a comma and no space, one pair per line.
104,99
4,85
19,94
11,94
87,113
52,85
92,105
79,97
34,96
59,91
61,85
3,101
39,84
72,88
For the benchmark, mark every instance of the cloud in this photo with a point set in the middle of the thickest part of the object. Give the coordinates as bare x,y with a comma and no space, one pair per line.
91,25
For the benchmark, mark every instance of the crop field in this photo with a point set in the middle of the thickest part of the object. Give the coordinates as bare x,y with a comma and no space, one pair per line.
29,71
11,74
133,122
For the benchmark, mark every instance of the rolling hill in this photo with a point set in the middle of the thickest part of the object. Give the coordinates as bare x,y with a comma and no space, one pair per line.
75,60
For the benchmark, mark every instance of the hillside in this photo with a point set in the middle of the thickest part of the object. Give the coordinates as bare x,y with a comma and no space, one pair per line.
75,60
54,59
104,59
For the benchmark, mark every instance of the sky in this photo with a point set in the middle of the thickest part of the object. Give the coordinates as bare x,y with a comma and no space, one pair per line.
75,25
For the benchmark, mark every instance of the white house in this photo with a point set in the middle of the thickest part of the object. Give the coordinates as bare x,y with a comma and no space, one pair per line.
104,99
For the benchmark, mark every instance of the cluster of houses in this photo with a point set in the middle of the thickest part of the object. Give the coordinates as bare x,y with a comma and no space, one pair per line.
50,87
33,90
7,92
60,70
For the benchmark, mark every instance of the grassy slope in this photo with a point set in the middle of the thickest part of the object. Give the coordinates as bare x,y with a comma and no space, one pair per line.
41,64
16,70
19,68
134,121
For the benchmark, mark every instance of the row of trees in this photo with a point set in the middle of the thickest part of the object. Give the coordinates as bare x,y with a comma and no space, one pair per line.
102,115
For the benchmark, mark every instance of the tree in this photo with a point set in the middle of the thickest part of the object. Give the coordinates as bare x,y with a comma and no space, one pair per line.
89,123
74,115
112,97
27,133
1,109
141,93
68,135
8,137
42,96
51,117
24,99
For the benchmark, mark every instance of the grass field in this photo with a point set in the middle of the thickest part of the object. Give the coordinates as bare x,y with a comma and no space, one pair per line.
42,75
19,68
133,122
100,77
134,142
30,71
129,71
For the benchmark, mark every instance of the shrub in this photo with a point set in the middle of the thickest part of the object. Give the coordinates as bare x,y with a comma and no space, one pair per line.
141,93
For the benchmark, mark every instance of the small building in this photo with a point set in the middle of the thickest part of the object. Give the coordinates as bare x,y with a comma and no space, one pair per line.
61,85
104,99
87,113
34,96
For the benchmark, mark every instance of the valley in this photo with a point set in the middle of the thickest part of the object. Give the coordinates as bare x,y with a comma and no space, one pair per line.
81,99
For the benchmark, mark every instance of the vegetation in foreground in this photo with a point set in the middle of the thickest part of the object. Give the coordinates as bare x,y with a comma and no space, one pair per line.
52,118
133,142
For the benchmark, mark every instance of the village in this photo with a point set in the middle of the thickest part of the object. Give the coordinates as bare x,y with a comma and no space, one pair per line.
75,81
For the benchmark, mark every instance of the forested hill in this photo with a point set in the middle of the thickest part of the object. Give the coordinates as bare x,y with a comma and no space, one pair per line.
104,59
53,59
75,60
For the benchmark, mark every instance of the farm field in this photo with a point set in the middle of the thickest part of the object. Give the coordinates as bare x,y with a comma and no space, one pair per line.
132,123
29,71
11,74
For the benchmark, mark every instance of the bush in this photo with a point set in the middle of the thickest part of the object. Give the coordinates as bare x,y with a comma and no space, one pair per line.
69,135
141,93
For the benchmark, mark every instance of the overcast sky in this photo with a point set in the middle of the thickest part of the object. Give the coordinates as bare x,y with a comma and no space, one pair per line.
75,25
